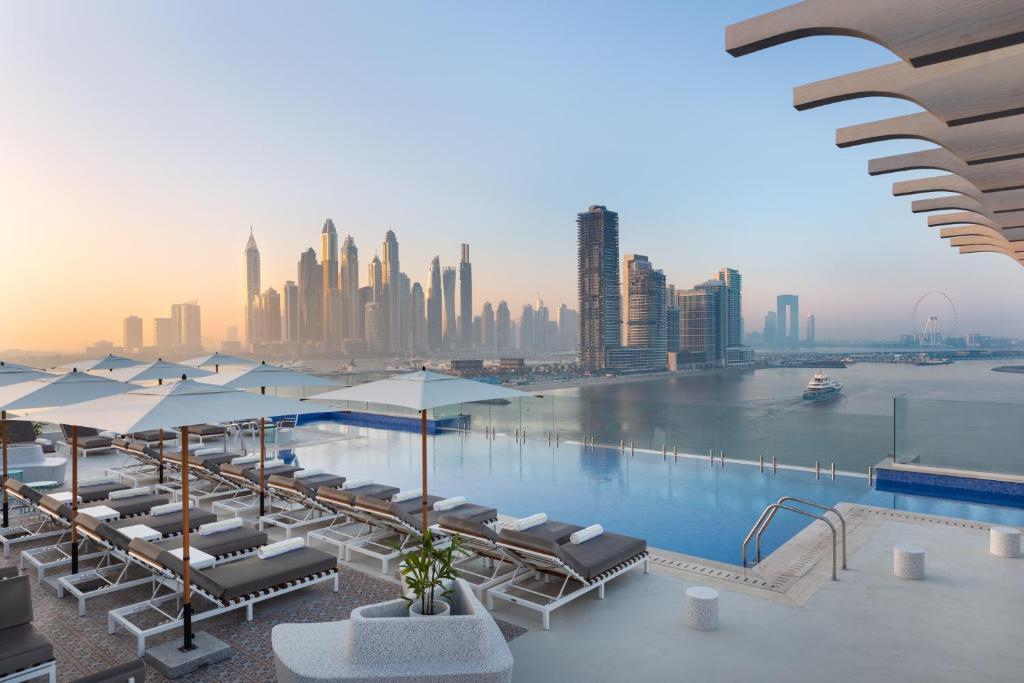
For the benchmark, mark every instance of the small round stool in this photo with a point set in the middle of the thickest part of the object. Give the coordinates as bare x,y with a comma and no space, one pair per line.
702,608
908,561
1004,541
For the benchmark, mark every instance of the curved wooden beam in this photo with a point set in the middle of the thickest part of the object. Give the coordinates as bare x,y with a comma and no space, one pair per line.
988,248
1017,250
972,231
997,202
994,177
921,32
963,91
949,203
999,223
978,143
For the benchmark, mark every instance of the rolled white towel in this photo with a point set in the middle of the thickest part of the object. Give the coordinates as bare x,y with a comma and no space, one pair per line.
217,527
312,472
245,460
407,495
108,434
281,547
96,481
356,483
273,462
449,503
130,493
525,523
169,508
584,535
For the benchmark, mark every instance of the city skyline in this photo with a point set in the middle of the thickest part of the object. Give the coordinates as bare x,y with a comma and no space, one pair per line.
279,146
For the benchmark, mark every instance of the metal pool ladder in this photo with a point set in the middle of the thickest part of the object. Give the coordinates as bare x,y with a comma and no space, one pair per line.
769,514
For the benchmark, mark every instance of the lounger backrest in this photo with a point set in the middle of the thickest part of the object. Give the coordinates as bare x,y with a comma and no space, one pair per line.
82,431
152,554
19,431
381,507
234,470
528,542
23,491
337,497
277,481
16,597
96,528
475,530
55,507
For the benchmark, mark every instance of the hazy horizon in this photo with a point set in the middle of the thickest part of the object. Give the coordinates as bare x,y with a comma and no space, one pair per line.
142,141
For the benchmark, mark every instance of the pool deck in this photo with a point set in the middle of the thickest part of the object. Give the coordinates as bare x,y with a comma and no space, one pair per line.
784,620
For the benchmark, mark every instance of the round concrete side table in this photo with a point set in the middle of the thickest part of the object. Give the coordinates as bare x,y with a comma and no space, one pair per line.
1004,541
702,608
908,561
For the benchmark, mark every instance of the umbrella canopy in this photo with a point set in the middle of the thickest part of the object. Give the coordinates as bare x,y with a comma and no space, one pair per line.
216,360
58,390
12,373
171,405
158,370
108,362
264,375
421,390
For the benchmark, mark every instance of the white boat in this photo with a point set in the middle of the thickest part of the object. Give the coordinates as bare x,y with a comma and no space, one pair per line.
822,388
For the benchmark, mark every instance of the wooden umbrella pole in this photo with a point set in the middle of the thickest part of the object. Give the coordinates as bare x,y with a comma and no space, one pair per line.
263,458
161,461
3,437
186,591
74,499
423,439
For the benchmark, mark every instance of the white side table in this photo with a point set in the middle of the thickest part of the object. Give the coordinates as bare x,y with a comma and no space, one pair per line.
908,561
1004,541
101,512
702,608
63,496
142,531
197,559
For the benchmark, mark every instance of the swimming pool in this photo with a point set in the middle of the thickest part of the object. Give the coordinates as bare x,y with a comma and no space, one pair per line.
681,504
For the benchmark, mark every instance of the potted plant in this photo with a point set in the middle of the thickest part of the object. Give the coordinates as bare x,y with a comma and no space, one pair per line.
428,572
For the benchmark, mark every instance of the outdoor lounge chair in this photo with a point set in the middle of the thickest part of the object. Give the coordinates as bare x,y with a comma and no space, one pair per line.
350,523
90,440
246,477
36,524
203,432
297,494
483,563
25,653
404,519
114,571
129,672
218,589
582,567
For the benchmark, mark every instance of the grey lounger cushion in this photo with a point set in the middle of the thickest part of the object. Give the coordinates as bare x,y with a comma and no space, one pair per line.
91,442
153,436
169,523
558,532
222,543
348,496
21,646
413,516
8,572
307,486
205,430
600,554
134,670
95,492
253,474
136,505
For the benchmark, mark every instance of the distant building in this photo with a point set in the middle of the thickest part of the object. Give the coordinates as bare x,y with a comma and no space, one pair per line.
787,320
270,316
600,308
466,368
487,329
349,276
568,327
435,307
291,312
420,343
331,323
512,365
132,333
450,316
375,323
809,328
311,297
643,305
187,328
503,334
770,325
526,328
252,286
163,333
733,282
465,299
392,293
405,308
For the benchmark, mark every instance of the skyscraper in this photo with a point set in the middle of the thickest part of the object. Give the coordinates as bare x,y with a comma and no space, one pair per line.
405,310
671,320
163,333
132,329
526,328
503,328
643,304
374,322
419,319
450,330
696,325
329,261
392,292
568,327
270,316
487,326
733,282
465,299
351,327
718,320
541,318
787,329
186,325
435,325
291,312
770,325
597,236
311,297
810,330
375,275
252,287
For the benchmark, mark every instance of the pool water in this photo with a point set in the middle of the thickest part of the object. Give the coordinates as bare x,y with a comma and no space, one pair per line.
681,504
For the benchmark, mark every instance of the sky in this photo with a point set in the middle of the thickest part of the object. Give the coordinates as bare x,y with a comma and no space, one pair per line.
140,141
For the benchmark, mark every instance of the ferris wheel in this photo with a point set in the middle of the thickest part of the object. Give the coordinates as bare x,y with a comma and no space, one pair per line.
934,317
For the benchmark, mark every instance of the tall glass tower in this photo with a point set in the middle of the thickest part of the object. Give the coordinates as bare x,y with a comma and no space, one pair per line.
600,306
252,288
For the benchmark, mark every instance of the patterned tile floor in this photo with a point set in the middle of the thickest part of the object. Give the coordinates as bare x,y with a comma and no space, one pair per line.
83,647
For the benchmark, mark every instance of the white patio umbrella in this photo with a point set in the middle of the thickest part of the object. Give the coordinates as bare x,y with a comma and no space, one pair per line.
55,390
158,370
422,391
264,376
108,362
180,405
12,373
216,360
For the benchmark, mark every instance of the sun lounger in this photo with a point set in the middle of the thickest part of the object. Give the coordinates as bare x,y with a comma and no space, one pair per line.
484,563
246,477
404,519
90,440
38,520
203,433
297,495
218,589
582,567
25,653
350,523
116,570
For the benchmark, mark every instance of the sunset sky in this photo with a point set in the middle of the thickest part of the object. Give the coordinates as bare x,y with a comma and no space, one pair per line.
141,140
